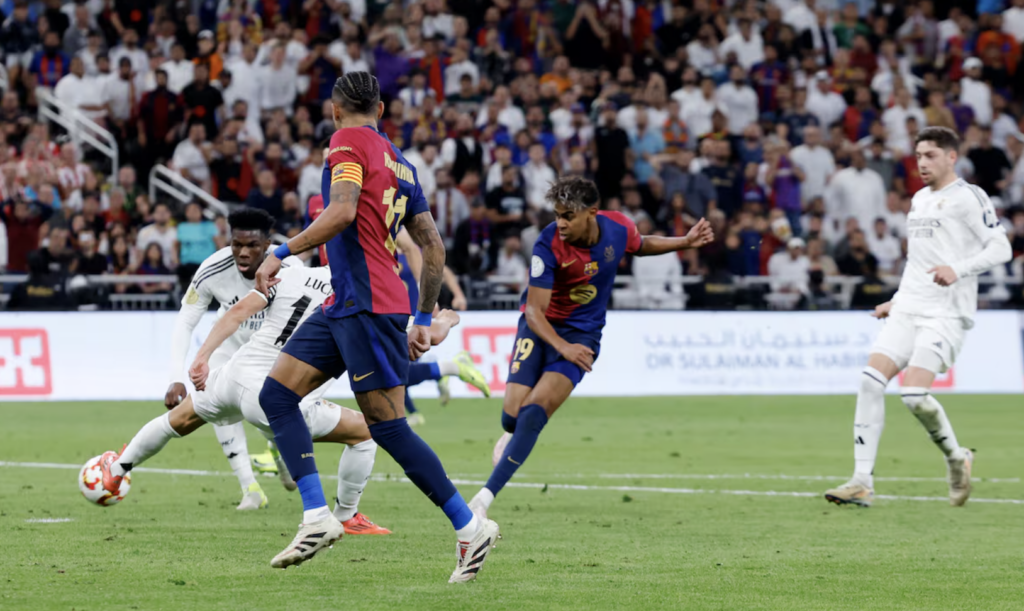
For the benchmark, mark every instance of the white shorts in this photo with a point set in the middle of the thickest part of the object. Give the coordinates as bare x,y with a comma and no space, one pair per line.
232,396
903,334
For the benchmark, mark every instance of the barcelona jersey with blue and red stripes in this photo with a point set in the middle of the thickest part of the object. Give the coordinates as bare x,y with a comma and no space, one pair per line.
364,270
581,278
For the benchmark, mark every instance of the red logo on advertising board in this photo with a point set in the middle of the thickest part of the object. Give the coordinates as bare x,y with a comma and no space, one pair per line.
491,348
943,381
25,362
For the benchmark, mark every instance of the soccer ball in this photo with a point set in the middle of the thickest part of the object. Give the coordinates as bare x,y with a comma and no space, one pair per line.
90,482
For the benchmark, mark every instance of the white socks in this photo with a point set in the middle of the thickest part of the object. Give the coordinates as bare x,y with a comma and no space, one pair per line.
868,423
311,516
232,441
485,497
448,368
929,411
467,532
353,472
150,439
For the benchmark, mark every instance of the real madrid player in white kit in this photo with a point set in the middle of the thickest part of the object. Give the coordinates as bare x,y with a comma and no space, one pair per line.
227,276
954,235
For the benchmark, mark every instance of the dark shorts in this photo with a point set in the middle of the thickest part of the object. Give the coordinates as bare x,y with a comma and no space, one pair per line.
532,356
372,348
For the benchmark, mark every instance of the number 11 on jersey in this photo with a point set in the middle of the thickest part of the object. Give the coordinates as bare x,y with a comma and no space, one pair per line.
396,210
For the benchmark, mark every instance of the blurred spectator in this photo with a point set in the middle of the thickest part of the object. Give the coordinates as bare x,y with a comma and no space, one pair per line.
23,226
266,196
657,278
789,273
192,156
198,238
506,205
884,246
538,176
56,257
819,259
612,145
815,161
161,233
511,264
472,246
203,102
90,262
646,142
782,178
153,263
991,165
449,209
858,256
976,93
817,297
461,152
856,191
50,63
738,101
872,291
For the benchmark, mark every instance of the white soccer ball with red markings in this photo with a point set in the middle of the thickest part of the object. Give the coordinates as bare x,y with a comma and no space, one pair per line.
90,482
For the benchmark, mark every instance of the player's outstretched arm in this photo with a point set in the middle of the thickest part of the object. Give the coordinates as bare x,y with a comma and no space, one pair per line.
537,302
699,235
225,328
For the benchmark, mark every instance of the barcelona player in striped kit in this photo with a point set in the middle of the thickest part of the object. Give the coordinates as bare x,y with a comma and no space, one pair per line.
571,277
370,193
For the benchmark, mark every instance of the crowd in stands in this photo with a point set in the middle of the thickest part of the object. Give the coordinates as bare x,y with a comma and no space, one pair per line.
789,124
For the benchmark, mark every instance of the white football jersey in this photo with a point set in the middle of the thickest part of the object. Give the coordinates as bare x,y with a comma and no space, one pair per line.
301,291
218,278
947,227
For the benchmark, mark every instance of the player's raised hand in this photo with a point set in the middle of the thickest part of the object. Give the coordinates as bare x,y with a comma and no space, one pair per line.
174,395
266,275
198,373
700,234
419,341
944,275
579,355
882,310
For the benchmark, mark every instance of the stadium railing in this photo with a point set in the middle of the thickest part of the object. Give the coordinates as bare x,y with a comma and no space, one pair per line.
80,128
163,179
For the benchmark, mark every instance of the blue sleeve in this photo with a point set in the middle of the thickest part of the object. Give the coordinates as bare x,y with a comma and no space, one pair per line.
543,264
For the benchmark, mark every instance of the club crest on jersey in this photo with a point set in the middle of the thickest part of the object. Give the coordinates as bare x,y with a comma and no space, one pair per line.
609,254
583,294
590,269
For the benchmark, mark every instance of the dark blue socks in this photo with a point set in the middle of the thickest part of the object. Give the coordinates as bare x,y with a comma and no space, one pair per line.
421,372
508,422
293,440
423,467
527,427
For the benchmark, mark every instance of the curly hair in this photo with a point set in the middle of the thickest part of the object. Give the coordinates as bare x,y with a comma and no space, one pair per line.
574,192
251,219
357,93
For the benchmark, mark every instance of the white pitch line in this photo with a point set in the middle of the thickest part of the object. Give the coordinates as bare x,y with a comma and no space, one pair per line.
49,520
714,476
471,482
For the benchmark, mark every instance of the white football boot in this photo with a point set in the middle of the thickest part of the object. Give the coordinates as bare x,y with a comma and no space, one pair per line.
310,539
959,475
470,555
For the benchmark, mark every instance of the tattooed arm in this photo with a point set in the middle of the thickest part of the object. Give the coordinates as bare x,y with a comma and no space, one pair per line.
423,232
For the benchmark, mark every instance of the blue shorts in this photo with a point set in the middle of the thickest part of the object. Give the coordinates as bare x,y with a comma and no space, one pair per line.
372,348
532,356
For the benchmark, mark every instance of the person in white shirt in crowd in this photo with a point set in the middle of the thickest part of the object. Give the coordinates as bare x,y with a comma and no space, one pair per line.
93,48
895,121
538,176
561,118
657,278
788,270
427,162
460,64
884,245
856,191
651,102
801,16
955,235
437,20
130,48
77,35
738,101
746,44
463,135
1015,188
449,208
703,52
512,264
350,53
192,156
502,155
817,163
509,115
179,69
1013,20
1003,125
161,232
279,83
895,215
311,176
414,94
975,92
72,174
698,112
824,102
81,92
690,92
121,94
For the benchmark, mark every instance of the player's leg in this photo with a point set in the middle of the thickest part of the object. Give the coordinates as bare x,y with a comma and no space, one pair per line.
348,427
150,439
462,366
515,394
540,404
924,365
889,355
234,445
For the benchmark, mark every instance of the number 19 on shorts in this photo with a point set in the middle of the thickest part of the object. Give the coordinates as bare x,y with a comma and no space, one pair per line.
524,346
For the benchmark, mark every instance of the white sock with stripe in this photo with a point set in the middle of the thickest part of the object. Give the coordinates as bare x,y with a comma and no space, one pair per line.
868,424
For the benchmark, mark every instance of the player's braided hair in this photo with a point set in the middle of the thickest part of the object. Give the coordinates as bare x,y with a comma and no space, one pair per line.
357,93
251,219
942,137
574,192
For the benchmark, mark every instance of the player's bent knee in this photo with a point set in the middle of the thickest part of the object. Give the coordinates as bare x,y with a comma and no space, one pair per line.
533,417
916,400
508,422
184,419
872,382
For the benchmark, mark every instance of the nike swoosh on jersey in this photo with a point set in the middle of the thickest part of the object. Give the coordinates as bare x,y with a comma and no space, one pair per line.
569,263
362,377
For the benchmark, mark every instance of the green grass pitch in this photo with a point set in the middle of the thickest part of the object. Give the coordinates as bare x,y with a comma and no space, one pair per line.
630,517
